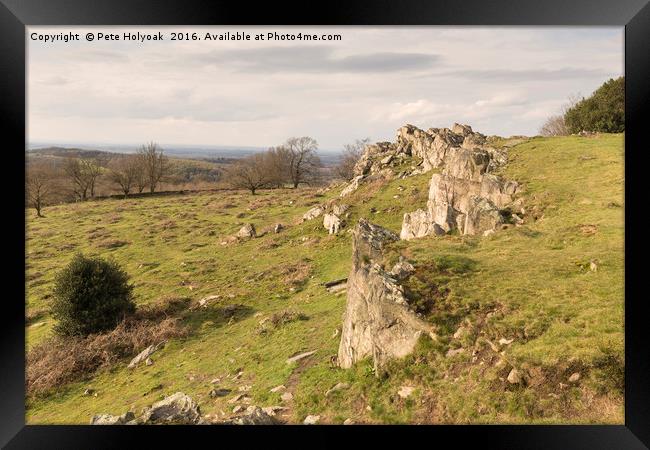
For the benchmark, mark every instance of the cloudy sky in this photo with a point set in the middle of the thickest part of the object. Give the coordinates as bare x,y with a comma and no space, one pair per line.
499,80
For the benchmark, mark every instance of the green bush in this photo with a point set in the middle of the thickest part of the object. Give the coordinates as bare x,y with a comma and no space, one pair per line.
603,112
91,295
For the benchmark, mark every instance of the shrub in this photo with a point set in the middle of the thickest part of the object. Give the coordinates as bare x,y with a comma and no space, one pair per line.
603,112
90,295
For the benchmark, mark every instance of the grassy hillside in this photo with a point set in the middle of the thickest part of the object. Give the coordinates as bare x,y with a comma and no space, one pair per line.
530,284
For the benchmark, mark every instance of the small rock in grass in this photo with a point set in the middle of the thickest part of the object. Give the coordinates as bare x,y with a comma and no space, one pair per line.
348,422
514,377
287,396
237,409
405,391
280,388
337,387
574,377
504,341
311,420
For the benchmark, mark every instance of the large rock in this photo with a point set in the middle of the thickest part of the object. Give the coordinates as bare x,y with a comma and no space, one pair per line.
314,212
378,321
255,415
178,408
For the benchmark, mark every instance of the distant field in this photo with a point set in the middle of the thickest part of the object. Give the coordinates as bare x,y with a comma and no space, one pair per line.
533,285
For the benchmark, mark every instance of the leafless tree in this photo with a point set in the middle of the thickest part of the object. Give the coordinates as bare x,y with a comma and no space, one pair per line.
124,171
155,164
351,154
554,125
276,162
249,173
37,187
83,173
303,163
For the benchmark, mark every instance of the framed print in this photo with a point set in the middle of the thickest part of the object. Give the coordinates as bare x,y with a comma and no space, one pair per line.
369,219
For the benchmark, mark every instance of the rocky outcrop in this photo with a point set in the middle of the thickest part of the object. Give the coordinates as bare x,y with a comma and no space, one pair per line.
465,196
107,419
247,231
332,223
378,321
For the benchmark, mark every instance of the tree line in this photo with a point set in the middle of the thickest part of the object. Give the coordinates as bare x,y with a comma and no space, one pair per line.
127,173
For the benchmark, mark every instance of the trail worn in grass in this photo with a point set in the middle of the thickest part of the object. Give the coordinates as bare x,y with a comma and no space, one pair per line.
533,286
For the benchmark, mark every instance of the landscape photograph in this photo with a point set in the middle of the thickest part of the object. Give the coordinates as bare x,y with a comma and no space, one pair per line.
324,225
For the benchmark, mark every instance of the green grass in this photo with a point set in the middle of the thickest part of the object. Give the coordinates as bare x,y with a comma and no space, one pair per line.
534,279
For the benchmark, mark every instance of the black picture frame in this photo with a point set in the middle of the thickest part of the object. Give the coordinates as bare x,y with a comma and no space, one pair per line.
634,15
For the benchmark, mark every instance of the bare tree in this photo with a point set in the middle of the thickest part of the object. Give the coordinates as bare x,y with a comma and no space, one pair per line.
155,164
74,169
554,126
124,172
276,162
92,171
351,154
249,173
140,174
303,163
37,188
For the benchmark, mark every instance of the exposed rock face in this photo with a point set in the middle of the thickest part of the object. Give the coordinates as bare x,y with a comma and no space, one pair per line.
378,321
465,196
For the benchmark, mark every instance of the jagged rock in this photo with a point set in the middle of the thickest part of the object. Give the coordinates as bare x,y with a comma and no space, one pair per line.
378,321
247,231
402,269
107,419
314,212
177,408
311,420
219,392
145,354
463,197
255,416
278,227
332,223
352,186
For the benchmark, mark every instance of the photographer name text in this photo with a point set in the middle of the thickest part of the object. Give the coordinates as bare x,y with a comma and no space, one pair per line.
138,37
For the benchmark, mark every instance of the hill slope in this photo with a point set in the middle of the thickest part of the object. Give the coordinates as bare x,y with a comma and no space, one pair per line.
524,298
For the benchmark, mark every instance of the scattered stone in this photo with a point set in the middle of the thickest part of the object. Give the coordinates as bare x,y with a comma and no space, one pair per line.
280,388
148,362
575,377
237,398
405,391
177,408
336,285
348,422
300,356
89,391
237,409
504,341
205,300
272,410
311,420
247,231
144,354
215,380
214,393
286,396
255,416
337,387
245,388
278,227
514,377
402,269
335,333
107,419
593,265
